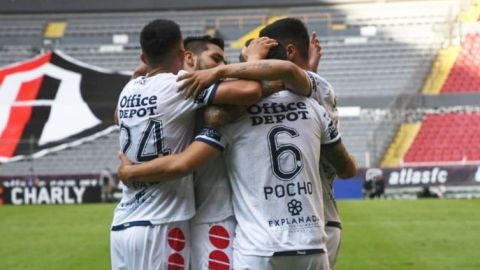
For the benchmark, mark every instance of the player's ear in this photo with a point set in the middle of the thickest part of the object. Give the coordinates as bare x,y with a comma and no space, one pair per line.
189,60
291,52
143,58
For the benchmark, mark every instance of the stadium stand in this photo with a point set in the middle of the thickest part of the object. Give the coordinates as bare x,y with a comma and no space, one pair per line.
439,138
399,147
366,137
456,68
446,138
465,73
369,50
87,158
15,53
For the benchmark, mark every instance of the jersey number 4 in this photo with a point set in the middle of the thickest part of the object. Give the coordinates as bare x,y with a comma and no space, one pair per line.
284,152
152,135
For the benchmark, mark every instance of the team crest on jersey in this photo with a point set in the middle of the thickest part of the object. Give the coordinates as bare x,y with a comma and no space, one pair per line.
294,207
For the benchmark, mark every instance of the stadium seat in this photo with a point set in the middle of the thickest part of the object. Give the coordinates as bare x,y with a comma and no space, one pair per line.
465,73
394,59
446,137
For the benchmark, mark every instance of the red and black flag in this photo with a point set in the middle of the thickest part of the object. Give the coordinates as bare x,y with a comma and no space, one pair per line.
52,100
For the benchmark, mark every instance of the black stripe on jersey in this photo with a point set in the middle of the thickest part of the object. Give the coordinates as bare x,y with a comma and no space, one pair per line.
210,133
335,224
298,252
211,98
313,82
141,223
207,95
210,142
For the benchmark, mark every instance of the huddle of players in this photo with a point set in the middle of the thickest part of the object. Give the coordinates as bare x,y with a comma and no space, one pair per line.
271,165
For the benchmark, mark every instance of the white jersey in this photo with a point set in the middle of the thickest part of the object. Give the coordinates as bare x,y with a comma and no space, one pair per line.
213,199
272,158
156,120
323,92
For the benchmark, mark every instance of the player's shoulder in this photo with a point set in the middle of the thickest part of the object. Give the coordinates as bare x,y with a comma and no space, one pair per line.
160,84
319,82
318,79
163,78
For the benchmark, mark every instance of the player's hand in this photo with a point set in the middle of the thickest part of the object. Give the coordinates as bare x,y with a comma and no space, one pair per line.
123,168
314,52
194,82
141,70
258,48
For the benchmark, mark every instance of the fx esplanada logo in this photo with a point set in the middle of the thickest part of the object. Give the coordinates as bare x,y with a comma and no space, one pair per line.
295,207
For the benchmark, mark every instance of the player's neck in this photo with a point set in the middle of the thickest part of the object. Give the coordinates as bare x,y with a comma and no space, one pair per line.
301,64
157,70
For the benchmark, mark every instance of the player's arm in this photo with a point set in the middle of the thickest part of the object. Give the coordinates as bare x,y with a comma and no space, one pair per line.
167,167
218,115
293,76
238,92
207,145
332,147
338,156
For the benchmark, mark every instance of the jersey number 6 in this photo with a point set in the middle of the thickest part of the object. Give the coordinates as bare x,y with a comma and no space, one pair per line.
279,154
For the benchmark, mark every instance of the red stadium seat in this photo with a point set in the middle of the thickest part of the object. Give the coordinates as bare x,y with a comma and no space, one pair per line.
465,73
447,137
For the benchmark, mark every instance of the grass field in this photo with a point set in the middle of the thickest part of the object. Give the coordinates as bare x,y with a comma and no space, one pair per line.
384,235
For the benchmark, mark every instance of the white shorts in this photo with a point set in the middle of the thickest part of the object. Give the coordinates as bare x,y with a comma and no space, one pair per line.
334,239
317,261
212,245
161,247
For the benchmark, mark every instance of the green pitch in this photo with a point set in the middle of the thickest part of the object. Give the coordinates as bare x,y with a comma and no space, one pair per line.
378,235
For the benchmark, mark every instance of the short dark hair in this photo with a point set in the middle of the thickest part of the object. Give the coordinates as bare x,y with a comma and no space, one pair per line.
289,30
199,44
158,40
277,52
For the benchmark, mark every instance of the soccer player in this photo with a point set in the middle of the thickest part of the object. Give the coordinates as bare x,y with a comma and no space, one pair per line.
213,226
150,228
292,35
272,158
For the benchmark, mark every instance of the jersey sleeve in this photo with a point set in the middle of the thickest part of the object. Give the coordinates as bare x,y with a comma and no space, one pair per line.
329,132
323,92
207,95
180,105
211,137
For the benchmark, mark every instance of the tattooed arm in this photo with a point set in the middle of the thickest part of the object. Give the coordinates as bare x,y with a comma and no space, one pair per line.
293,76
